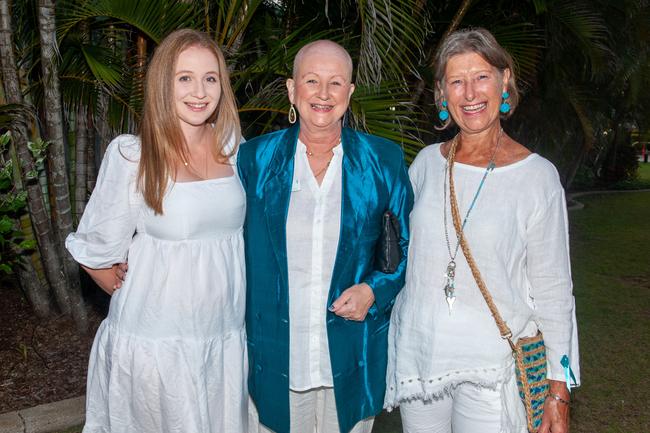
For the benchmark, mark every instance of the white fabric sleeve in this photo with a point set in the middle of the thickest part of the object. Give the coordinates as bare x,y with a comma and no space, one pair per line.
109,221
415,173
549,275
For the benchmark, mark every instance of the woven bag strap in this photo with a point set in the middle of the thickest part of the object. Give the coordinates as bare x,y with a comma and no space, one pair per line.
506,333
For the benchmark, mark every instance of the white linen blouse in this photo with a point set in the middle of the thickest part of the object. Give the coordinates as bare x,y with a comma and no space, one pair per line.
313,226
517,233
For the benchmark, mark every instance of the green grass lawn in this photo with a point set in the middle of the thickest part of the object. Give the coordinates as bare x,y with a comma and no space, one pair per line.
642,180
610,251
644,171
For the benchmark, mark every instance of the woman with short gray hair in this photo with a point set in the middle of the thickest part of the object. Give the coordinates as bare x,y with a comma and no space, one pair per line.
484,194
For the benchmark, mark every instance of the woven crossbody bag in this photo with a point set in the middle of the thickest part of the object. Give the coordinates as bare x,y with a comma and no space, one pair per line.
529,352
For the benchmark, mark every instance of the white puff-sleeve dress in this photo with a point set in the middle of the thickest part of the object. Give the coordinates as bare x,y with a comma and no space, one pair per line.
170,356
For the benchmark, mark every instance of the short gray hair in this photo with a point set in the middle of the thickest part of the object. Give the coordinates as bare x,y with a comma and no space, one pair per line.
480,41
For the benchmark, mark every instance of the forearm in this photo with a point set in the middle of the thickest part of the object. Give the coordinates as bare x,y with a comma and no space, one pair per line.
105,278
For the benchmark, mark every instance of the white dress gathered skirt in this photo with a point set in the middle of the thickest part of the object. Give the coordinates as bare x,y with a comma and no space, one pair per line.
170,356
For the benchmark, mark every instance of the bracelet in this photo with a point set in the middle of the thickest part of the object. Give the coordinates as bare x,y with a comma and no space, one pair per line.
558,398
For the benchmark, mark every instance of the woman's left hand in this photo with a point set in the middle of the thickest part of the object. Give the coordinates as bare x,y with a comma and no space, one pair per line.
354,302
556,413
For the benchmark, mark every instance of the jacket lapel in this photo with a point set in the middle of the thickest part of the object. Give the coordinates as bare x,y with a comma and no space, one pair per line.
357,184
277,193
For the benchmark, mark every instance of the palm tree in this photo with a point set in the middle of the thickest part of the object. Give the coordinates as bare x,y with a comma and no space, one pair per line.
15,239
58,173
47,244
562,50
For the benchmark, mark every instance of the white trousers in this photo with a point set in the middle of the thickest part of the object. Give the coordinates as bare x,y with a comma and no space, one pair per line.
312,411
469,409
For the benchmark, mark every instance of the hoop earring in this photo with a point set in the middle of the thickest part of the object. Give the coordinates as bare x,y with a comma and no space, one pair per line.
443,114
292,115
505,106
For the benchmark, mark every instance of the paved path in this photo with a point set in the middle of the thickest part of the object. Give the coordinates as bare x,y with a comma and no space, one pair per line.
46,418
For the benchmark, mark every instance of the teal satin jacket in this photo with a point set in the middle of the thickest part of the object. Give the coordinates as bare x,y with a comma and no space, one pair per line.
374,180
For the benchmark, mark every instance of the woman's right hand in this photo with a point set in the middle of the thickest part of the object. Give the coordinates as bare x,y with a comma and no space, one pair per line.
108,279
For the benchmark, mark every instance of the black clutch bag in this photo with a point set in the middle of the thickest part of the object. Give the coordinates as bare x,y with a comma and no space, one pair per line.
388,253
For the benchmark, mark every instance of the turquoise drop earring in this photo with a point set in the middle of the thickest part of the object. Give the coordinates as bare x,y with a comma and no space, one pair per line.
443,114
505,107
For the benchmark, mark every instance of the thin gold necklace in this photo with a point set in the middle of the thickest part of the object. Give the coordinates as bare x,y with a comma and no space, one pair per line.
311,153
322,170
193,169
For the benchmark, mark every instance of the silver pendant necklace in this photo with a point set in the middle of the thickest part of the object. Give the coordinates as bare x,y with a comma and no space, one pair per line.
450,273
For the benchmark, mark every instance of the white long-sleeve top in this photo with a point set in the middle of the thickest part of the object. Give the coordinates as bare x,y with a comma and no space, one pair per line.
313,226
517,233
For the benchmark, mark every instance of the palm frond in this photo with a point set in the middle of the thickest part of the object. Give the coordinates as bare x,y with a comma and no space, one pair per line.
14,115
387,111
391,40
154,18
232,20
582,26
525,43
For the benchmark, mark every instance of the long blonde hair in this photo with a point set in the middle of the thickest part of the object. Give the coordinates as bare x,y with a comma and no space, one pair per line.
162,141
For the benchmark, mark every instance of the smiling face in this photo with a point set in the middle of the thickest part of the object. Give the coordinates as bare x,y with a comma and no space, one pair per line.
321,86
473,89
197,88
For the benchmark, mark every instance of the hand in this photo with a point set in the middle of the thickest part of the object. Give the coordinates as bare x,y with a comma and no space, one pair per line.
354,302
556,413
120,273
108,279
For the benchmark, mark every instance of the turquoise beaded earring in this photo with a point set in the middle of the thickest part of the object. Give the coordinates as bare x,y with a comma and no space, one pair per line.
443,114
505,107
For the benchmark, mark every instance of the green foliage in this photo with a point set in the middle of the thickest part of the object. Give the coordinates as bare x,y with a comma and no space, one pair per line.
12,203
38,148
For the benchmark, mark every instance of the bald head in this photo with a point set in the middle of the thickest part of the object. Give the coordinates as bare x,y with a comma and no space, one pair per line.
325,48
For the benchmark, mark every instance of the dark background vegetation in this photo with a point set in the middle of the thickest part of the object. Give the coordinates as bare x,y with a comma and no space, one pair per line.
72,79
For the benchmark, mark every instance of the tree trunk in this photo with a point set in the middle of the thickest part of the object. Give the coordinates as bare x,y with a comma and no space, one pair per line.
35,289
81,162
62,211
91,170
40,218
101,126
588,140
